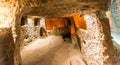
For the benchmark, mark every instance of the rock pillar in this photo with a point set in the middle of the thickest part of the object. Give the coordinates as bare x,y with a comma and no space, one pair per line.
6,47
96,43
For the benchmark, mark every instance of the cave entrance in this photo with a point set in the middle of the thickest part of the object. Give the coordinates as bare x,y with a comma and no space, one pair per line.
63,32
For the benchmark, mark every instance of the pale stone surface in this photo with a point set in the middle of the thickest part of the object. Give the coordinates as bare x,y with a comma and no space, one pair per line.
96,44
51,51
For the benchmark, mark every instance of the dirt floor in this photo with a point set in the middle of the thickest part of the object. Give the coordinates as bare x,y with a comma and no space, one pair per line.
51,51
54,51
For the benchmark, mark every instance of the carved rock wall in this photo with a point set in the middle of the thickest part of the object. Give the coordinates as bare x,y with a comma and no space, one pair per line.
6,47
26,38
54,8
96,44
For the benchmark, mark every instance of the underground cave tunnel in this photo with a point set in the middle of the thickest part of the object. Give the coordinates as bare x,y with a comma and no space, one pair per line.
64,32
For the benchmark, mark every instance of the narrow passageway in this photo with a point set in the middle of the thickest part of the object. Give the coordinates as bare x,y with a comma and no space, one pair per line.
51,51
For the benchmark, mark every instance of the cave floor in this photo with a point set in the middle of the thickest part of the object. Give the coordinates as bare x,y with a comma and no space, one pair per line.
51,51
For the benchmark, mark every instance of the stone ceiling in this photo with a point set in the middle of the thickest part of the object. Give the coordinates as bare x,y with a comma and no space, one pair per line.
9,9
55,8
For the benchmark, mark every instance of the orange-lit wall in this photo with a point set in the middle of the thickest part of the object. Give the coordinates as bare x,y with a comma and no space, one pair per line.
80,22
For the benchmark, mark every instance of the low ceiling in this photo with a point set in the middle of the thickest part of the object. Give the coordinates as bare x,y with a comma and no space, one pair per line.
55,8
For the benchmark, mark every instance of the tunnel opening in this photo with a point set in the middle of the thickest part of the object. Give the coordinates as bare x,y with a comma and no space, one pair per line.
37,22
95,36
43,32
23,21
66,35
63,31
64,28
60,26
41,28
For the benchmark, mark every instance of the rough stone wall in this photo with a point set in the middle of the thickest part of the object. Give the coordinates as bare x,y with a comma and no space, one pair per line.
7,12
6,47
55,8
25,37
16,35
96,44
30,31
10,17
